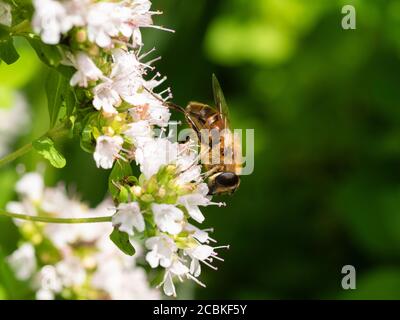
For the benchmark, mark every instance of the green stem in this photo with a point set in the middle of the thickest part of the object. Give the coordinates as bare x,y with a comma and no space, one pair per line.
16,154
55,220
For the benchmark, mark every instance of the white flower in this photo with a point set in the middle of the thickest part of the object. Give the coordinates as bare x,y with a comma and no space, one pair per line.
200,235
192,202
31,185
163,249
168,218
48,282
107,20
123,283
50,20
201,253
159,114
141,15
86,69
139,132
44,294
70,272
128,216
23,261
5,14
124,80
154,154
156,112
191,174
107,149
55,200
126,64
105,97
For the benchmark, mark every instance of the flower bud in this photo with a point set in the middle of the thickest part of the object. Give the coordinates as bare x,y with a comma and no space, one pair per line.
137,191
81,36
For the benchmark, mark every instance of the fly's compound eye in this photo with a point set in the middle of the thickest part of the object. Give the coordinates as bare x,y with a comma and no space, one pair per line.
227,179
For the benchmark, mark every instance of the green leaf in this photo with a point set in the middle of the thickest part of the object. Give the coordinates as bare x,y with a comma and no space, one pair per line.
70,100
45,147
124,195
120,171
57,90
121,240
7,51
50,55
4,32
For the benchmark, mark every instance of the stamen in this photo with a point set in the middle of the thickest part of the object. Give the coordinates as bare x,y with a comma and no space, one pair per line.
166,90
161,81
156,12
209,265
219,204
146,54
154,60
212,240
222,247
157,75
196,280
161,28
218,258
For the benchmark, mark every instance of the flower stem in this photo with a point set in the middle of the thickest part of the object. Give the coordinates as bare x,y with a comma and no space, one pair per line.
55,220
16,154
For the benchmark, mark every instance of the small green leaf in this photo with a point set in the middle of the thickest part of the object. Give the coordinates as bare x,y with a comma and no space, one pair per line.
124,195
121,240
7,51
49,54
57,90
121,170
45,147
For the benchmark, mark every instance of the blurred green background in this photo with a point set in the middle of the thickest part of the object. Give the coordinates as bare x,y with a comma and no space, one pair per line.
324,105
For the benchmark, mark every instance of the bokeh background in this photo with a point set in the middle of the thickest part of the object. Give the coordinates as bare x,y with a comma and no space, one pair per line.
324,103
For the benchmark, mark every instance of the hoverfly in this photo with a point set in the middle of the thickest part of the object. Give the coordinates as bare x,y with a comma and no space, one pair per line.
223,176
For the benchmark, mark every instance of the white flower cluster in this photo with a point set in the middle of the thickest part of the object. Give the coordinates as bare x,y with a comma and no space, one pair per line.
116,82
14,117
72,260
104,21
177,245
108,64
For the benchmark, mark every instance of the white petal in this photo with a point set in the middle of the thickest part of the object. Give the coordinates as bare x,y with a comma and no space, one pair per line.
169,288
152,259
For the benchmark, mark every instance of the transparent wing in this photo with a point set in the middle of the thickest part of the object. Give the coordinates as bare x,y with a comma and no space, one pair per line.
220,102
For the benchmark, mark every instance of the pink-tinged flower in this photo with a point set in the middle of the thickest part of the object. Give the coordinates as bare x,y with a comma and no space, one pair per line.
86,69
